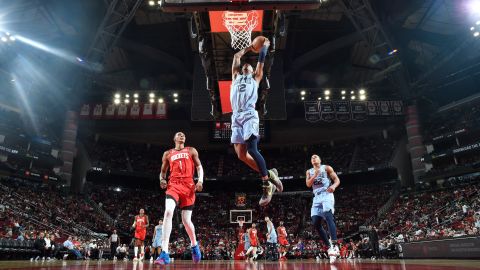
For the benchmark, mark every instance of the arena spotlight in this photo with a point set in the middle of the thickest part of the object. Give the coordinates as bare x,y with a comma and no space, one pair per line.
175,100
327,98
175,95
4,39
343,97
160,100
159,2
136,101
127,95
352,92
319,98
352,97
116,101
302,98
127,100
117,95
151,3
303,93
152,95
476,34
363,97
152,100
135,95
474,6
327,92
362,91
344,92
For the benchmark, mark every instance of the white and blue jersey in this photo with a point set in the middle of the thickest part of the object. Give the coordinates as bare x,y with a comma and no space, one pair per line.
157,241
323,201
243,97
246,240
272,232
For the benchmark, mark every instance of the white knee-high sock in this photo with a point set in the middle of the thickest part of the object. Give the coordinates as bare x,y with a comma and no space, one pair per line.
189,227
135,251
167,223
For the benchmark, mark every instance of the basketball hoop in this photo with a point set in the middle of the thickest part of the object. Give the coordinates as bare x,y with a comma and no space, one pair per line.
240,223
240,26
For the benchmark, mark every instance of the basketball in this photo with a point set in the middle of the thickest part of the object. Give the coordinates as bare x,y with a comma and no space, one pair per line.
257,43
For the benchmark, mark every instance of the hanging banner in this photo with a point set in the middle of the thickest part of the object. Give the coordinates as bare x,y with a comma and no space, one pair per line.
161,112
312,111
98,111
135,111
147,111
385,108
397,107
373,108
359,110
327,111
85,111
342,111
122,111
110,111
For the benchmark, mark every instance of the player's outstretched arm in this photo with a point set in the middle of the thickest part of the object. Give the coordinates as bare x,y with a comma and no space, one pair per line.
261,61
198,165
334,177
237,61
163,171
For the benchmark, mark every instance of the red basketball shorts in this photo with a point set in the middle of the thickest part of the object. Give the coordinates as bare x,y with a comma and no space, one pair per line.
283,241
140,235
182,191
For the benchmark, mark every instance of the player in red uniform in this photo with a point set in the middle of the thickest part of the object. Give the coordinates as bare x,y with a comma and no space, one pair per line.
282,241
182,162
140,224
252,235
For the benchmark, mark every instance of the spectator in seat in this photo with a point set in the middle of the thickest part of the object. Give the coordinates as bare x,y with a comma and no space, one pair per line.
364,249
68,244
55,248
40,245
122,252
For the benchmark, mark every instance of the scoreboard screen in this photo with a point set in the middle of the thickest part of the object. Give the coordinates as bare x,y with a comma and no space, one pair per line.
221,131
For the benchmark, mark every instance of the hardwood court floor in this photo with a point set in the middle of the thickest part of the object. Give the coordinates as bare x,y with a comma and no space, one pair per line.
230,265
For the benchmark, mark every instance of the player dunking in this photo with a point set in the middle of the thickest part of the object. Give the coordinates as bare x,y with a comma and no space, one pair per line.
282,240
140,223
252,236
245,120
319,178
181,189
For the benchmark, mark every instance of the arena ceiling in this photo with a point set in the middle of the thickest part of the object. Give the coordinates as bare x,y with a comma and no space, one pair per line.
141,47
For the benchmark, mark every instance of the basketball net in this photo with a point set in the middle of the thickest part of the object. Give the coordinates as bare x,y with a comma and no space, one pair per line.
240,223
240,26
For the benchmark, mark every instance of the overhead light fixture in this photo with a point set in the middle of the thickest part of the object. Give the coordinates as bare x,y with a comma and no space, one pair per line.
152,100
344,92
476,34
363,97
175,95
327,92
127,100
352,92
477,23
303,93
472,28
362,91
343,97
302,98
151,3
135,95
152,95
175,100
160,100
136,101
117,95
116,101
127,95
327,97
12,38
4,39
319,98
352,97
159,2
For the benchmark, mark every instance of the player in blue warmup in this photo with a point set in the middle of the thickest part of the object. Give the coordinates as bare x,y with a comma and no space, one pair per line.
323,180
245,120
157,239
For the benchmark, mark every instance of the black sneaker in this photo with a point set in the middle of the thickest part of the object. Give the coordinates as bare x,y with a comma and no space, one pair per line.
273,178
268,190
